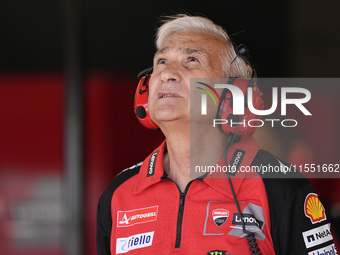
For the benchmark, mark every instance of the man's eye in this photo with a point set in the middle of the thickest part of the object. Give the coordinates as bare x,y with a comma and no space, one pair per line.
193,59
161,61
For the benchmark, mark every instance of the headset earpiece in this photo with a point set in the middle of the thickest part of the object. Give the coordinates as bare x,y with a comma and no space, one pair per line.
240,123
141,101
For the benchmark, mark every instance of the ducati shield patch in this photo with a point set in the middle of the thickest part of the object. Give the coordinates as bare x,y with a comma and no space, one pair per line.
220,216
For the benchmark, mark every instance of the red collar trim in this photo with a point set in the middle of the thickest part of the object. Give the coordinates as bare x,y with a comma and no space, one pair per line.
219,181
152,168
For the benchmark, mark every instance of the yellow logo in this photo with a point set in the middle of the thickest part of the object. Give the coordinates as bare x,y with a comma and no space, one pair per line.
314,209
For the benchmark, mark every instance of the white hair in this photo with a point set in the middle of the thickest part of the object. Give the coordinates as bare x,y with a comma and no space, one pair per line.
233,65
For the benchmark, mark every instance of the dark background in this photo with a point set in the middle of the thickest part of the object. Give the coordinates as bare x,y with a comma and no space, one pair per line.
98,47
286,38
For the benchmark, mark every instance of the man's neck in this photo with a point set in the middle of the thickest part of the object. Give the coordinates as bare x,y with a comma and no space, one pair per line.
177,161
204,149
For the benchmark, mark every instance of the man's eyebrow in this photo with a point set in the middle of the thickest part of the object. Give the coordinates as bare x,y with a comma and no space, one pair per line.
163,50
187,51
190,51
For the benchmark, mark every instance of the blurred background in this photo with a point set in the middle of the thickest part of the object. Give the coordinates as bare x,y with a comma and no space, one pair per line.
68,73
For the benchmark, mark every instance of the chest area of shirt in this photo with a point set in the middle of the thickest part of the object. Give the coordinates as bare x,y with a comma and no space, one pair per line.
195,221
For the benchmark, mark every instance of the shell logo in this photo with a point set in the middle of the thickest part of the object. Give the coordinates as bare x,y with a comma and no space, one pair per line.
314,209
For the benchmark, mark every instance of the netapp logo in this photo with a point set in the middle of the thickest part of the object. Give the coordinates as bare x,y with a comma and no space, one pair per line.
317,236
125,244
152,164
248,219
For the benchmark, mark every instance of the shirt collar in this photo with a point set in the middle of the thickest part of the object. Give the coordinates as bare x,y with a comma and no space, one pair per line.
152,169
219,181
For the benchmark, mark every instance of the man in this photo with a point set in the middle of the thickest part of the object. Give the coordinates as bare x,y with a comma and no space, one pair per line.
161,207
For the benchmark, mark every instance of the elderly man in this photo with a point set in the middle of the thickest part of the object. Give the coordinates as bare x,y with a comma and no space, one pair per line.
159,206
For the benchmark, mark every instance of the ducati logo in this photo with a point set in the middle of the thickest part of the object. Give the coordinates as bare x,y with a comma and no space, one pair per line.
220,216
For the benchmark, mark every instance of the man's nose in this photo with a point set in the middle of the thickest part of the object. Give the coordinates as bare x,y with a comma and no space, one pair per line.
171,73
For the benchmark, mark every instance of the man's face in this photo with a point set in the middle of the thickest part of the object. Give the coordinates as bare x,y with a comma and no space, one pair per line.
183,55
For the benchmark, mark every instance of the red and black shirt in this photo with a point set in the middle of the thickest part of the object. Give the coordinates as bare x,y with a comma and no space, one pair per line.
142,211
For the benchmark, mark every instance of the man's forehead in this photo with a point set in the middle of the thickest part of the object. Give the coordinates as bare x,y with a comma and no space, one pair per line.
184,50
190,42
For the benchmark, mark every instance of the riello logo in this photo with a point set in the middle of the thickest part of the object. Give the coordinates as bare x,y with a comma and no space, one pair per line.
138,241
239,102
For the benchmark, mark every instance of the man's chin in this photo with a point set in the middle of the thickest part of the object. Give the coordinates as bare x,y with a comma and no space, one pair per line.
167,121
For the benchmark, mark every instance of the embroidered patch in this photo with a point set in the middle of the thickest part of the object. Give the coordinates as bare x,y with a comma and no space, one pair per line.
314,210
137,216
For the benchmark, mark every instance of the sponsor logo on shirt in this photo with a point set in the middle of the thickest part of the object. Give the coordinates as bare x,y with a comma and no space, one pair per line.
236,161
152,164
248,219
317,236
314,210
217,252
220,216
137,216
253,218
216,218
328,250
125,244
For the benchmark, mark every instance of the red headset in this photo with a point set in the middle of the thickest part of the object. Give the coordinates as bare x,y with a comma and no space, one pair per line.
141,101
225,110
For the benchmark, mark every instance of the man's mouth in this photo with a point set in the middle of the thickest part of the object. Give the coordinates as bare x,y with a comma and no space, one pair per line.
165,95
